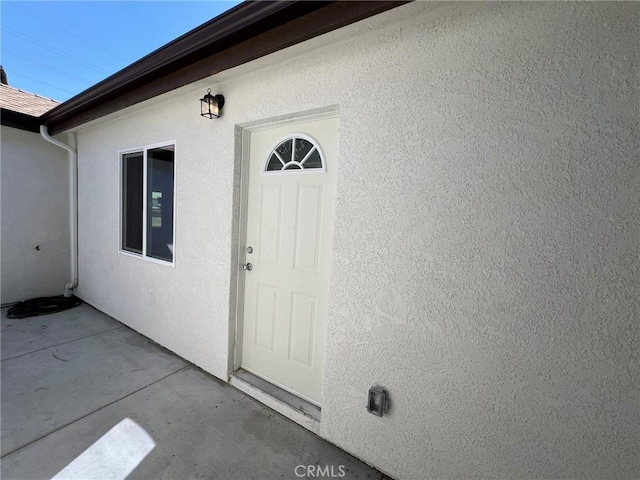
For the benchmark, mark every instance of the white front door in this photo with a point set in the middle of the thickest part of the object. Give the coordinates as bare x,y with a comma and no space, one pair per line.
292,172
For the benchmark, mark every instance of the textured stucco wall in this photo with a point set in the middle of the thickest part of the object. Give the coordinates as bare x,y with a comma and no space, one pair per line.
485,263
35,199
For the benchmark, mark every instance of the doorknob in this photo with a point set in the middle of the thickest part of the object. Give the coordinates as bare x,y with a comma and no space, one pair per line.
247,266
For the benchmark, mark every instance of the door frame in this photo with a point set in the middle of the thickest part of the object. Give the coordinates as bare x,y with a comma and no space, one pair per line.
243,136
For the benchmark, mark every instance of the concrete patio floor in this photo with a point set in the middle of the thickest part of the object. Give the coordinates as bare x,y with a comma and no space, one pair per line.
68,378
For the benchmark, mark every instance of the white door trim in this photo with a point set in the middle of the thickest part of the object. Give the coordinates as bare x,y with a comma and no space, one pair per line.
245,136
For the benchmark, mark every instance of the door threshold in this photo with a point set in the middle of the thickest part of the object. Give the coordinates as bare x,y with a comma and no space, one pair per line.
283,402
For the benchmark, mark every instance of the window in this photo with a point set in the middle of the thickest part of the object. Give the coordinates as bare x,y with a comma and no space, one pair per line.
147,202
298,152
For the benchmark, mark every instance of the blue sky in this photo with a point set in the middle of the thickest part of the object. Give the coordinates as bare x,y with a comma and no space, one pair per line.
59,49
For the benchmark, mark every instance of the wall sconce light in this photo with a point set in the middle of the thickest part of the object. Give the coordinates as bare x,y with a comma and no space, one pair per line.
210,106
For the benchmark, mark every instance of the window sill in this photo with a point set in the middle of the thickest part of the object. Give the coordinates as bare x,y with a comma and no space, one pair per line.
148,259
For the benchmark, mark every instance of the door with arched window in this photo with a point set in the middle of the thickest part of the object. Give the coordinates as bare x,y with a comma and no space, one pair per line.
290,207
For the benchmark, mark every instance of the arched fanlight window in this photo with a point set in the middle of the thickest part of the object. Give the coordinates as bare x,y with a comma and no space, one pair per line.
295,152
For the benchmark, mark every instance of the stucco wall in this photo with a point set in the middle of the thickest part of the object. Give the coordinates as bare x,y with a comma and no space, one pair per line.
485,264
35,212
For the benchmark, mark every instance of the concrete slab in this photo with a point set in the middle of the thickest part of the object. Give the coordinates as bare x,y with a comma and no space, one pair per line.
27,335
65,386
202,427
48,389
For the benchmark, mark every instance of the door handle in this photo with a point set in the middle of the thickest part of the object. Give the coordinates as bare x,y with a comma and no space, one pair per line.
247,266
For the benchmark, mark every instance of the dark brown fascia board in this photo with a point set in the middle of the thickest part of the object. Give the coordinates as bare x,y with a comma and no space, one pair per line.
19,120
210,49
245,15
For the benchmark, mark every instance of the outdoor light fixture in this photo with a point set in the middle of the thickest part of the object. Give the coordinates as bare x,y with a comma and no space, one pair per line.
210,106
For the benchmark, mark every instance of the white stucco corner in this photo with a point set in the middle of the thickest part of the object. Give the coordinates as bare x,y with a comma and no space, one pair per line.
35,217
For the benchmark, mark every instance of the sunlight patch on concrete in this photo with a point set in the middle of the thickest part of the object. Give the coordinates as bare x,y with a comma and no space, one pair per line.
114,456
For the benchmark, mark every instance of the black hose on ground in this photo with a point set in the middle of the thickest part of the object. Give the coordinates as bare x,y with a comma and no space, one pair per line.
42,306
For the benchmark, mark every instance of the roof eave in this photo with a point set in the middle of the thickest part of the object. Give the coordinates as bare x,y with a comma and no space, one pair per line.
244,33
21,121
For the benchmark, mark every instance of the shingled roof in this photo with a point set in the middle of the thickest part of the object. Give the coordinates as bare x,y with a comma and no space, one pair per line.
19,101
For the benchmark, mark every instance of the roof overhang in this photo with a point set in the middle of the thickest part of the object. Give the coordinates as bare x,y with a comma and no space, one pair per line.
246,32
22,121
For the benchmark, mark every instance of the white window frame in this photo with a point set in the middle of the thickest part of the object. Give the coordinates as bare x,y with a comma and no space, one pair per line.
145,182
304,171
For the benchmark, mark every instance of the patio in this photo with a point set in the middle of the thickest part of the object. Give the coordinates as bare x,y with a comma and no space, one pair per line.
70,377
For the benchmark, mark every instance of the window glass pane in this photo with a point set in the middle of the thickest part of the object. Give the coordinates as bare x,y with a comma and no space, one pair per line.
132,198
302,149
274,163
160,203
294,149
313,160
284,150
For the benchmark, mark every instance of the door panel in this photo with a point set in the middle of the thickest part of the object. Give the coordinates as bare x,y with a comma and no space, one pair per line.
301,340
270,220
308,231
289,226
266,314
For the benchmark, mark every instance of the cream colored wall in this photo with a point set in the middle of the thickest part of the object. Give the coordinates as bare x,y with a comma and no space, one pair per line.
485,262
35,212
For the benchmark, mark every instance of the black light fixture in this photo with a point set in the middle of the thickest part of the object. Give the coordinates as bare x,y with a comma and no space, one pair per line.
210,106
